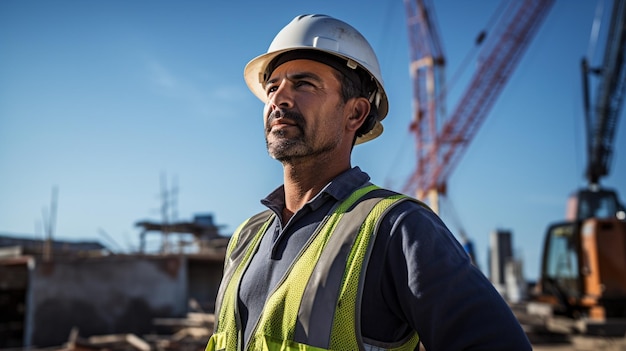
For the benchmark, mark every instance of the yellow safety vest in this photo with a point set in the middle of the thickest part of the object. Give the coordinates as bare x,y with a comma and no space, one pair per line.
321,291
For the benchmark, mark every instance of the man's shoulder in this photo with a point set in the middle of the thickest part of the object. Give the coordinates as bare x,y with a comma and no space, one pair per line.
405,202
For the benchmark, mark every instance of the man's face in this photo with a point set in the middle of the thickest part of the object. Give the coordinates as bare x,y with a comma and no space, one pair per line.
304,114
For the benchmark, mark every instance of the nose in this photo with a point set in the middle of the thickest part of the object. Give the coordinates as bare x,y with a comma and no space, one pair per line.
282,97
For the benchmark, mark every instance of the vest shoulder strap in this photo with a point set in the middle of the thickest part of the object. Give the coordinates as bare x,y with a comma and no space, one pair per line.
241,245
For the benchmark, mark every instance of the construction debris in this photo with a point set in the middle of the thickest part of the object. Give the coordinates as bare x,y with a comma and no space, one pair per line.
188,334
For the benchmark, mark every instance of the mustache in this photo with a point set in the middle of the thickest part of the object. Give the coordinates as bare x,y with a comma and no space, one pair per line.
293,116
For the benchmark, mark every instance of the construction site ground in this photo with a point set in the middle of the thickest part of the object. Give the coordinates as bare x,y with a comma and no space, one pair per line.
583,343
192,332
544,340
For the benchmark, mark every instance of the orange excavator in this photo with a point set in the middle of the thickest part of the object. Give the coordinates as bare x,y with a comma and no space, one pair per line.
582,284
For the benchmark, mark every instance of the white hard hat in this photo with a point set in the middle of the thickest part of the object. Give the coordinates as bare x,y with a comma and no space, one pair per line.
329,35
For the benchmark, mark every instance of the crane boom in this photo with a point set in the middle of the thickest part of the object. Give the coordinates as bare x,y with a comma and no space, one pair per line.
440,149
602,124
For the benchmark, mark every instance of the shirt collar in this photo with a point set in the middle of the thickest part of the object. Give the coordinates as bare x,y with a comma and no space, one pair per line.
339,188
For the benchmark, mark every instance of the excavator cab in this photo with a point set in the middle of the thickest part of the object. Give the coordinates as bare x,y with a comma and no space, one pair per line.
594,202
584,265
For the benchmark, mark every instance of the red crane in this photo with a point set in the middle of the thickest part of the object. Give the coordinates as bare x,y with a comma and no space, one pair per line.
441,140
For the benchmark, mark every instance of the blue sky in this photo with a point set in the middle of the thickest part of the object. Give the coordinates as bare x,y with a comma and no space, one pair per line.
100,98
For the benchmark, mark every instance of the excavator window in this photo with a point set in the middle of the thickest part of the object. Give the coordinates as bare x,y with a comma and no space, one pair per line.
598,204
561,267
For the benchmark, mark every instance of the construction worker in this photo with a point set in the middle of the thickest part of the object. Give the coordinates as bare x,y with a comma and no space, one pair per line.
337,263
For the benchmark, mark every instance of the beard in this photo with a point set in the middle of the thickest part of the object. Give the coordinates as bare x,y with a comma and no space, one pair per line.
294,143
282,145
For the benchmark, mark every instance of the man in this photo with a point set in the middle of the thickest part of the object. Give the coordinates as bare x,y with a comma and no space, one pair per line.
336,263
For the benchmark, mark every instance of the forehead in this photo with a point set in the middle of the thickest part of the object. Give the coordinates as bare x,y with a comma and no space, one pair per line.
304,66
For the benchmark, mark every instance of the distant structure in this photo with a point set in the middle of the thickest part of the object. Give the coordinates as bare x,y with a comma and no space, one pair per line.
505,271
198,236
12,245
501,251
468,246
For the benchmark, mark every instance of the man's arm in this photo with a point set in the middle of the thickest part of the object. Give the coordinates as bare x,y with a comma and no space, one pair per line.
428,280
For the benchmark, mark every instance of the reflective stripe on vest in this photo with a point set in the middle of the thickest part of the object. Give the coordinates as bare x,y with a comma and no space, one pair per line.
297,314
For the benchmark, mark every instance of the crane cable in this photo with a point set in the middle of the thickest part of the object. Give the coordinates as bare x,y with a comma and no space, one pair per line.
473,52
384,43
595,30
454,218
482,35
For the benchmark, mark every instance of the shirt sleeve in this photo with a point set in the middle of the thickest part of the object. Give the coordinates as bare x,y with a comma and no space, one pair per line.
428,280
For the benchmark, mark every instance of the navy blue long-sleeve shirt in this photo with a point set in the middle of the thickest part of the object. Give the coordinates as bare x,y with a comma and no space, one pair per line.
418,277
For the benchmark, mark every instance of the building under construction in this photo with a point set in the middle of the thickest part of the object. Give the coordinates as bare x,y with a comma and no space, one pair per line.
55,292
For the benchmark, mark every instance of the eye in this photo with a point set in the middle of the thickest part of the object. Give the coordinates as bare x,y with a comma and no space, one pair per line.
271,88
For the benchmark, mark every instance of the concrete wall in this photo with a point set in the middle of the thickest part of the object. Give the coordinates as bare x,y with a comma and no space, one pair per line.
109,295
204,277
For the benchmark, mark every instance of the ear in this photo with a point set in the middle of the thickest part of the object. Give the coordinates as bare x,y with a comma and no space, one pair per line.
359,109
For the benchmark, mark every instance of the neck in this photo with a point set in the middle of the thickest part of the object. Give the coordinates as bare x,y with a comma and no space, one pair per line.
304,179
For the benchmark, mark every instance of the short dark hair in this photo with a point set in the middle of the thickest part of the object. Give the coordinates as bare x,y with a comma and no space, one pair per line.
350,90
